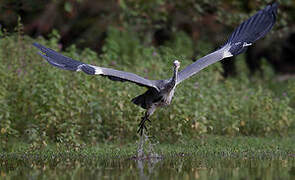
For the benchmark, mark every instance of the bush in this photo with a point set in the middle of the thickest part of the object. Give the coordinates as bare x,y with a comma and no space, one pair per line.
40,103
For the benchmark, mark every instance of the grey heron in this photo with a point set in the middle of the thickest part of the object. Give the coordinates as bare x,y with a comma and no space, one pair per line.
160,92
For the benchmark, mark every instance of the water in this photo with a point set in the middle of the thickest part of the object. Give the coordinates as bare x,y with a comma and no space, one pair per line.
146,164
178,167
145,148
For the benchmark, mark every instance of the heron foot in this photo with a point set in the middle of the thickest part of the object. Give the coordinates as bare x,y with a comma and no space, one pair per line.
142,125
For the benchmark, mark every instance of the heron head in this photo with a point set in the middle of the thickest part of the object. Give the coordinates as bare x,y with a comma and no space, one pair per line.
176,64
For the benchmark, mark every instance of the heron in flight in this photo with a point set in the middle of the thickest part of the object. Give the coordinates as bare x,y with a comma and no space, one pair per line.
160,92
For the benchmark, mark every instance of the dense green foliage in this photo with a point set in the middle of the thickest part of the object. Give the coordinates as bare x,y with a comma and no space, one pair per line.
85,22
41,104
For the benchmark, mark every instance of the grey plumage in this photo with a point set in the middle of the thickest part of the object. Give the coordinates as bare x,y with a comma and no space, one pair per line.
244,35
160,92
63,62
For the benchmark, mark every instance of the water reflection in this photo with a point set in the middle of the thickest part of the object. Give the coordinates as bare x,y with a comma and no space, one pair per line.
154,168
151,164
146,155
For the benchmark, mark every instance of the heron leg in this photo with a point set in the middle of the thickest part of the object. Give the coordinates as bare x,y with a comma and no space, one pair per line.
145,118
142,125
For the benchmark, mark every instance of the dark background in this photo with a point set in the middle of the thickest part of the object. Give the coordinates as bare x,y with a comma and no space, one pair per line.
85,23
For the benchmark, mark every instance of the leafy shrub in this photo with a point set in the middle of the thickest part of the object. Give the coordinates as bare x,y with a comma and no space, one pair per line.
40,103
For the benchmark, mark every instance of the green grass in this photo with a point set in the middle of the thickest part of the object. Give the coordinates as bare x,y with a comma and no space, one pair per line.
204,147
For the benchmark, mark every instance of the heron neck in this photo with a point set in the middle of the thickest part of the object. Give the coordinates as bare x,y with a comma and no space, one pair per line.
175,77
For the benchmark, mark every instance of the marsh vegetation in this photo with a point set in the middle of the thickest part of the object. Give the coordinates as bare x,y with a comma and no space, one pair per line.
59,124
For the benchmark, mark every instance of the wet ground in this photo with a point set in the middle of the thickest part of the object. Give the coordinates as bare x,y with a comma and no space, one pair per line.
208,158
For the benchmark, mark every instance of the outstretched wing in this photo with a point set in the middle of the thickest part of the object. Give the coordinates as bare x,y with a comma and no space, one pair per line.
243,36
63,62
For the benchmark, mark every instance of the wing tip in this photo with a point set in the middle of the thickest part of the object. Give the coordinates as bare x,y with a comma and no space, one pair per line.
273,9
270,12
37,45
44,49
274,5
40,54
